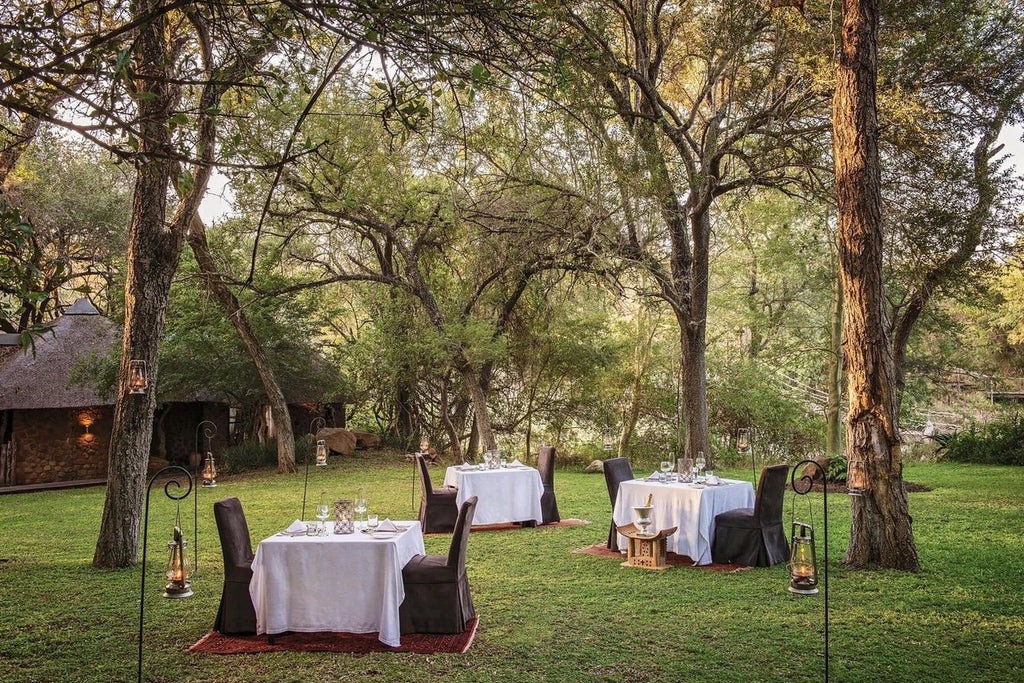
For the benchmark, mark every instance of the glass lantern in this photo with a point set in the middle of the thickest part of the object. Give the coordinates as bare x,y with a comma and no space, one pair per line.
138,380
609,441
321,453
179,570
743,441
209,472
856,478
803,565
344,520
424,445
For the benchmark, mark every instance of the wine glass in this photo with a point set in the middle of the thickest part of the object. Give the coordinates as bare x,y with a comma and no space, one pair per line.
361,507
700,463
322,512
666,467
372,522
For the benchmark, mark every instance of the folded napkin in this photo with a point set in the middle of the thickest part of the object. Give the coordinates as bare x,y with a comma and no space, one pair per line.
713,481
387,525
296,528
515,463
467,466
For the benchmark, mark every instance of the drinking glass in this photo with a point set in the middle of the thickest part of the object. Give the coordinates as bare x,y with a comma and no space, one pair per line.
700,463
666,467
372,522
360,508
323,511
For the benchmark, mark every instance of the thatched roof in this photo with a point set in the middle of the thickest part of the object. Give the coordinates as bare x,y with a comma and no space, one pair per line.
41,380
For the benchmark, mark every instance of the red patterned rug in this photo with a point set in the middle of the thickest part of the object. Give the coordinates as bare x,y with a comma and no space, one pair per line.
671,559
214,643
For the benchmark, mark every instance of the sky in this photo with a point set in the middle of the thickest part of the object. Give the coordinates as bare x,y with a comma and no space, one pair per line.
218,203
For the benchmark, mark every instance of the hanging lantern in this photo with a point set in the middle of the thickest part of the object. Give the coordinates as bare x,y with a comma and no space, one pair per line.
179,570
743,441
424,445
856,478
321,453
609,442
138,380
803,565
209,472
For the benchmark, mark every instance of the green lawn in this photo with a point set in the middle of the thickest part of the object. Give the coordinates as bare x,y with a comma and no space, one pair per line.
546,614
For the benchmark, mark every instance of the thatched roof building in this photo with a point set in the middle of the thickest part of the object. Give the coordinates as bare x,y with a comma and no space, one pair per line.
40,380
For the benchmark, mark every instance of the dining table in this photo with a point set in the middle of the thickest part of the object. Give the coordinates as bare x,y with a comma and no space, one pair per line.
350,583
504,494
689,506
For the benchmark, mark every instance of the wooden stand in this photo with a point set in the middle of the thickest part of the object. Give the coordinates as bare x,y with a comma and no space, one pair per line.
646,552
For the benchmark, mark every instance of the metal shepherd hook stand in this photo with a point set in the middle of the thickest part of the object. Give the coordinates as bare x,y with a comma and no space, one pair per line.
802,486
173,481
208,431
315,426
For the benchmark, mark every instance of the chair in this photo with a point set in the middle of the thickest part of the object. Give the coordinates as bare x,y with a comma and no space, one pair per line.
236,615
437,598
755,536
438,508
616,471
546,467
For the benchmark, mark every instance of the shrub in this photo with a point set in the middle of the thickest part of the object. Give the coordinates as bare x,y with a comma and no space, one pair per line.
996,443
250,455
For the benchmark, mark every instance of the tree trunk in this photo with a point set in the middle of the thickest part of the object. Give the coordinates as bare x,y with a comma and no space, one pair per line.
880,531
481,416
833,419
228,303
153,253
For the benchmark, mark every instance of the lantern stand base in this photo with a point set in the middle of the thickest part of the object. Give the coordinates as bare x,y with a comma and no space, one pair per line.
175,592
803,591
211,485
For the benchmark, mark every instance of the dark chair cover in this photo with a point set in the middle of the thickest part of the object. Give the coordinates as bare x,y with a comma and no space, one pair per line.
546,467
616,471
755,536
438,507
437,598
236,614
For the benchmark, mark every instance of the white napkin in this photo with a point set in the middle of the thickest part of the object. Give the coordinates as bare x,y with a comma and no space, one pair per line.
713,480
387,525
467,466
296,528
515,463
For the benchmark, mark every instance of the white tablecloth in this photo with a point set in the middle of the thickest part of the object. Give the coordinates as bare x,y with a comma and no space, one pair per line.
509,494
340,582
685,506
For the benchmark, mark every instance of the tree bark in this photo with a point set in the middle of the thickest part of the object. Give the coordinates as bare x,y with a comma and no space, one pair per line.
880,530
153,253
833,408
225,298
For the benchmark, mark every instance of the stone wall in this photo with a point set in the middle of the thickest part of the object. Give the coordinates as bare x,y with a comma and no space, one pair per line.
72,444
61,444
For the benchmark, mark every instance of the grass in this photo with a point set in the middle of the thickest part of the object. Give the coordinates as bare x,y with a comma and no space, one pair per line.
546,614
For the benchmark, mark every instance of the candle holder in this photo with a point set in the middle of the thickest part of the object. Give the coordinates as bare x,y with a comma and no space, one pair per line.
315,426
138,377
170,490
207,429
801,487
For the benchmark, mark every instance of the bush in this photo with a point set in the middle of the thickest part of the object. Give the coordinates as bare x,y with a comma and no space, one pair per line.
250,455
997,443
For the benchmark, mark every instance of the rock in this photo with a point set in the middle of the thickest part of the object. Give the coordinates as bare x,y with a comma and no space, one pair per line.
595,466
366,439
338,440
813,472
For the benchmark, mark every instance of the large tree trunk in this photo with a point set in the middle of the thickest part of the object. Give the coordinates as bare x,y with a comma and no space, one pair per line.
880,531
481,416
833,419
228,303
153,253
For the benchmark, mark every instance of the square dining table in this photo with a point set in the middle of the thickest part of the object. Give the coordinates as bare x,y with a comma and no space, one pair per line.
689,507
349,583
504,494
